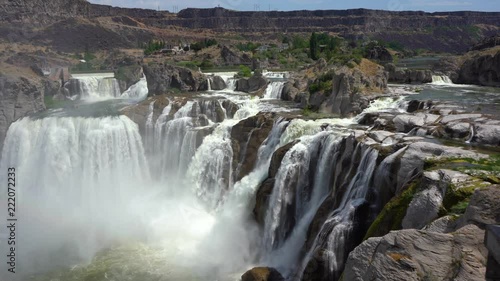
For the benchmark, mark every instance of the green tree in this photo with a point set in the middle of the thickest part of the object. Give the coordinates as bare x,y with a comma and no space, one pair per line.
313,46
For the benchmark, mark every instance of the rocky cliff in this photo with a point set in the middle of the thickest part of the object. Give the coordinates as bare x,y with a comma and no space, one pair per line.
481,69
446,32
19,96
352,87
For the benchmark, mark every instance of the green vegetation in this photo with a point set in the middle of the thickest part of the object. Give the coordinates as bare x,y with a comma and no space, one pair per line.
153,46
245,71
391,216
323,84
203,44
248,46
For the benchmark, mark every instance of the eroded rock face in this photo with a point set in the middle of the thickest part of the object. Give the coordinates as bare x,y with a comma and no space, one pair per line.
481,70
162,78
408,76
351,89
246,139
420,255
483,208
19,97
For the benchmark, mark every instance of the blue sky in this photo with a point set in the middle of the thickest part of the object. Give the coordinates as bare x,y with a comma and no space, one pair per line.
393,5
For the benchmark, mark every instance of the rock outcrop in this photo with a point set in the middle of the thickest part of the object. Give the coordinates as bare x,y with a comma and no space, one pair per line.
380,54
420,255
19,96
246,139
352,89
446,250
253,85
163,78
482,69
408,76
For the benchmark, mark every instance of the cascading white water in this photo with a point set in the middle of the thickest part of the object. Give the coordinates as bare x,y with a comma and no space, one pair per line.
76,179
209,82
334,232
286,251
137,91
95,86
274,90
276,75
441,80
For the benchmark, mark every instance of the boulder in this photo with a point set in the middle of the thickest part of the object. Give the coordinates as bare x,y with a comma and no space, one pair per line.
262,274
254,85
290,92
483,207
217,83
487,134
419,255
425,205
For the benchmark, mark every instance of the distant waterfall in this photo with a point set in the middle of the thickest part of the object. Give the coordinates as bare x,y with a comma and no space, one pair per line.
96,86
209,83
274,90
441,80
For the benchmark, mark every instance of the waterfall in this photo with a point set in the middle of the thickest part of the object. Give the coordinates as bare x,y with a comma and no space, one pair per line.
231,84
335,232
301,185
137,91
209,82
441,80
276,75
94,86
76,179
274,90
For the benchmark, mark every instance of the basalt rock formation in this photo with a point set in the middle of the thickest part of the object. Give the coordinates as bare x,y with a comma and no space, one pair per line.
19,96
163,78
481,69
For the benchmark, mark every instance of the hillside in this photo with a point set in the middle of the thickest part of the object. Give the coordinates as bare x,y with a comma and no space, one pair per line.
451,32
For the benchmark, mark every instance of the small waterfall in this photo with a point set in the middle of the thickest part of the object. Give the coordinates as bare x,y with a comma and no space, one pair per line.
231,84
276,75
274,90
441,80
209,83
137,91
386,104
149,137
94,86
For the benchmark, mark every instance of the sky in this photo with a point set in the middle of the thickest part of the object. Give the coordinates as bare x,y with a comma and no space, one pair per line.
286,5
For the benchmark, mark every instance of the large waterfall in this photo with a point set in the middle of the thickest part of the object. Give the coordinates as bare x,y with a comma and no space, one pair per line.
179,195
